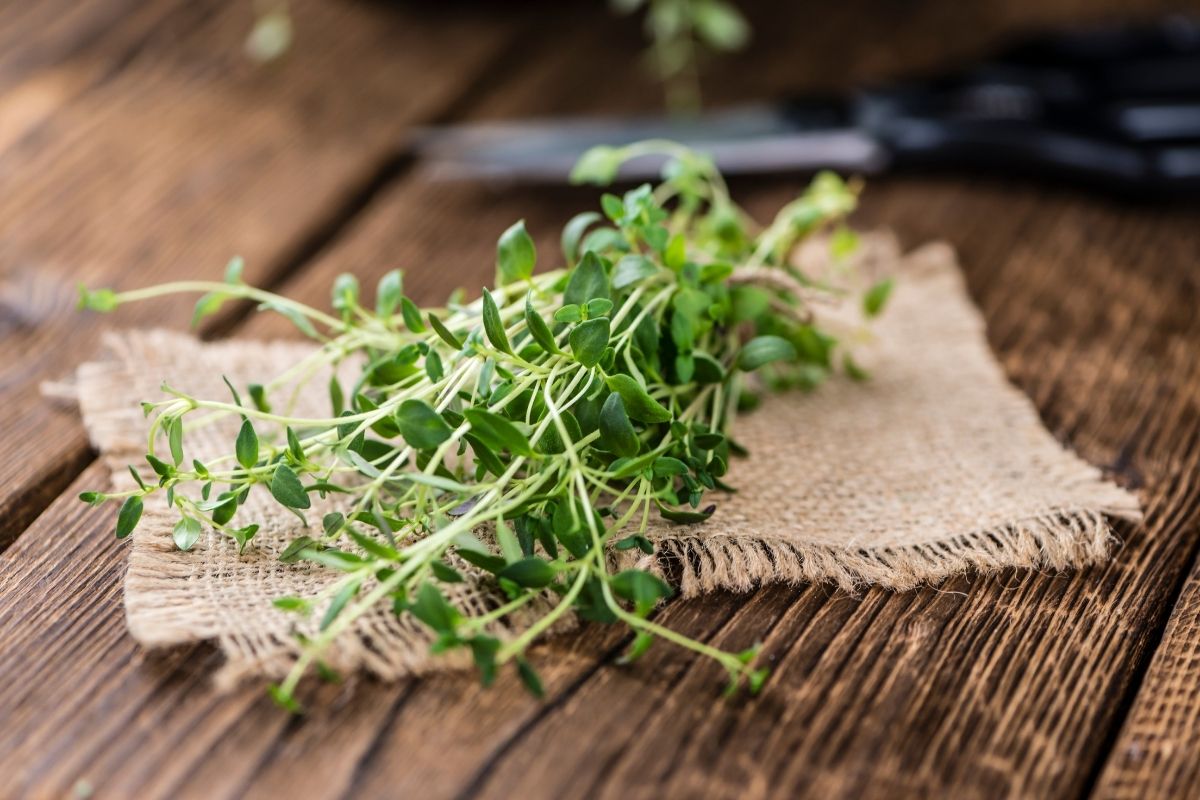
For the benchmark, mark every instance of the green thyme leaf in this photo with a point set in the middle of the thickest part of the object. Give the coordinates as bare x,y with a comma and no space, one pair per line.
296,604
206,306
616,431
301,322
588,340
484,649
444,332
532,573
552,442
243,536
287,489
291,553
632,269
421,426
638,402
598,307
493,325
332,522
666,466
640,587
588,280
510,548
568,314
175,439
344,596
877,296
530,678
573,232
762,350
345,292
234,270
497,432
389,293
247,445
412,315
538,328
259,398
682,517
446,573
515,255
186,532
128,516
598,166
432,608
102,300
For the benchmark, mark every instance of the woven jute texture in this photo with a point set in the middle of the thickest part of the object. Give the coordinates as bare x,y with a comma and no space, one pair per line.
935,466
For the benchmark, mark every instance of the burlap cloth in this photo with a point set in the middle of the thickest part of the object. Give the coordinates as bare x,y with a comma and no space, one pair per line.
935,466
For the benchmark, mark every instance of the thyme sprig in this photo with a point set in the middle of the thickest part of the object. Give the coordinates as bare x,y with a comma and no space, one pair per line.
525,438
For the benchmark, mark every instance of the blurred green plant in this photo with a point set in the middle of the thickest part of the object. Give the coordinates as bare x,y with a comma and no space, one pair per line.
680,31
272,33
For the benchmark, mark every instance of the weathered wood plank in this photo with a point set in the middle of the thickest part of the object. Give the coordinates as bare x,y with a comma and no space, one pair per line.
40,37
1157,753
186,156
44,55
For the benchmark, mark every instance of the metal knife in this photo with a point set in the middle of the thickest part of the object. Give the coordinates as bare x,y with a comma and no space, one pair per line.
1111,106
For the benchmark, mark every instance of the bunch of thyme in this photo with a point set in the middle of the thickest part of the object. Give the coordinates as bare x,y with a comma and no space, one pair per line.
529,433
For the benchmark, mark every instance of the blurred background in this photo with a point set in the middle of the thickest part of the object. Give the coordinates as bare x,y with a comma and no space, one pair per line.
151,140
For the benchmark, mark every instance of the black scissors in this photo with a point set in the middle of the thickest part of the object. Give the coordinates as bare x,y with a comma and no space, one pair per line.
1115,106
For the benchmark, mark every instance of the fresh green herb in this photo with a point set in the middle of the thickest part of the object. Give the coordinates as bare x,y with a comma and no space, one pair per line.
529,435
876,297
679,32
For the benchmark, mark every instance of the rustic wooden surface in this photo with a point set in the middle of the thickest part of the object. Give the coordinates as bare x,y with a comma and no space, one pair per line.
137,145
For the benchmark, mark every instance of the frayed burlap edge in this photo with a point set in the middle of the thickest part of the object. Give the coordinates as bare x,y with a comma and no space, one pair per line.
1060,541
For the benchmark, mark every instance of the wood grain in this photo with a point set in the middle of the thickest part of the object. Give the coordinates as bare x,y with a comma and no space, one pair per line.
1005,686
187,155
1155,755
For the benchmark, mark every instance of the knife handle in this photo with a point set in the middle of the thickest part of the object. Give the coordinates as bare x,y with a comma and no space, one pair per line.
1118,106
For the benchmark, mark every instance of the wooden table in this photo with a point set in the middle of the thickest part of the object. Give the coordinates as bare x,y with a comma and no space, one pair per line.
137,144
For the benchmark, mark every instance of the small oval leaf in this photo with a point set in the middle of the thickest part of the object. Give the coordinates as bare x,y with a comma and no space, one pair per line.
497,432
493,326
538,328
616,431
638,402
246,446
763,350
588,340
128,516
532,573
287,489
515,255
588,280
420,425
